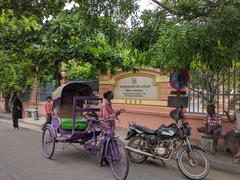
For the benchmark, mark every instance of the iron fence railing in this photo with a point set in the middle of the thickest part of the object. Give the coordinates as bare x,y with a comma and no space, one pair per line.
221,89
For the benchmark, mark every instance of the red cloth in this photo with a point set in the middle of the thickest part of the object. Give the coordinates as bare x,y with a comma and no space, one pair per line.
214,120
48,108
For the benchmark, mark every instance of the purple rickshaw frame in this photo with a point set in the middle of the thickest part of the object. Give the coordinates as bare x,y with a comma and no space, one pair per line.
91,138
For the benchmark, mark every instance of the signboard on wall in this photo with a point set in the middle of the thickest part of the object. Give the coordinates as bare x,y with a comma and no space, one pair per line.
136,87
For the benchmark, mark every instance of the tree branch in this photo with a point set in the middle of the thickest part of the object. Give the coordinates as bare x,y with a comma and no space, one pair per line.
173,11
165,7
199,92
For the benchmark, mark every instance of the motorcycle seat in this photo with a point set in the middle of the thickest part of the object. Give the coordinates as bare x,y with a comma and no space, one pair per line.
144,129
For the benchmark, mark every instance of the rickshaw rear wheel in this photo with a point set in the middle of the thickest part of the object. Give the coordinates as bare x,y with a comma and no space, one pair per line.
48,142
118,159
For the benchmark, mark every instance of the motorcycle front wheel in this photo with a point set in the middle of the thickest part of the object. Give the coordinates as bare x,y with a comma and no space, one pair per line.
194,165
137,143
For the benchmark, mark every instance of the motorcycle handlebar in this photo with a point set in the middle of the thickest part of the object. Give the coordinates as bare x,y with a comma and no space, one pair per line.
177,114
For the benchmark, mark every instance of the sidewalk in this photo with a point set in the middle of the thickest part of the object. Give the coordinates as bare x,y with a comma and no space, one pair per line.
220,161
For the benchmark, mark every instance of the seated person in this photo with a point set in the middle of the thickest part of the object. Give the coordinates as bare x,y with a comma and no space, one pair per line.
212,123
235,133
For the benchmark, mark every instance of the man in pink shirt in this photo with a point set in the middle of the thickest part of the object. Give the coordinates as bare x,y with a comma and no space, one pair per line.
48,111
107,112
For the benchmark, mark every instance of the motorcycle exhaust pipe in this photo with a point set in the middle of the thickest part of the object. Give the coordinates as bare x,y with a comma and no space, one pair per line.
139,152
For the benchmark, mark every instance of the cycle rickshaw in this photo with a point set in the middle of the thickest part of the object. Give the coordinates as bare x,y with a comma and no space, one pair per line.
74,123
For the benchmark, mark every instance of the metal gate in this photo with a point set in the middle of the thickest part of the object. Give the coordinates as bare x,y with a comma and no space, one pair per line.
222,89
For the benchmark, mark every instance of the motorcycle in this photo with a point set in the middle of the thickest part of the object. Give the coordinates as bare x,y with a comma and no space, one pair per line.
166,141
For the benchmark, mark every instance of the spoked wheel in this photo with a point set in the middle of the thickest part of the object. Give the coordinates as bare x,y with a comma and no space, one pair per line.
118,159
137,143
193,165
48,142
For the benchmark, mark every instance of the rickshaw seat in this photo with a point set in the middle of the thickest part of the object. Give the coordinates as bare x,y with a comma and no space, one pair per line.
81,123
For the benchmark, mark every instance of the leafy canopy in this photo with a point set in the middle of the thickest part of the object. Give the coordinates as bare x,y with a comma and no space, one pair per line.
199,32
14,35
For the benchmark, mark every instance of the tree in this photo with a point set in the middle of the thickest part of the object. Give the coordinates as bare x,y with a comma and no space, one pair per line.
148,30
36,11
80,71
89,33
117,10
199,35
29,8
21,22
13,77
103,19
15,68
66,37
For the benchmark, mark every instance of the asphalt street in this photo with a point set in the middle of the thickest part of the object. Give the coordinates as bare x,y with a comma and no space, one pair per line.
21,159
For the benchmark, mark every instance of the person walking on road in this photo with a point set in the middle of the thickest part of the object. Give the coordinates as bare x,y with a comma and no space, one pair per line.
48,111
17,107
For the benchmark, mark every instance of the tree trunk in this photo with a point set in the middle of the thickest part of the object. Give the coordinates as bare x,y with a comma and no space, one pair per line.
36,97
57,74
7,97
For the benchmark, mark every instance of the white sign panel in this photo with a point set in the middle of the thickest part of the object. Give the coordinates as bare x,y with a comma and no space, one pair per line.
136,87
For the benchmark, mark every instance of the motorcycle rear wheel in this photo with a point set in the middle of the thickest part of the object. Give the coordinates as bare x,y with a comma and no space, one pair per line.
137,143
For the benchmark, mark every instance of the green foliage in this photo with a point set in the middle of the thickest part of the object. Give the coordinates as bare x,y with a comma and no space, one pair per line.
148,31
15,32
204,34
15,67
173,48
32,47
89,33
30,8
118,10
13,75
66,38
80,72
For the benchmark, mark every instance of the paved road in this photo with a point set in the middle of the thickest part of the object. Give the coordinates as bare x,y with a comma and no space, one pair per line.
21,159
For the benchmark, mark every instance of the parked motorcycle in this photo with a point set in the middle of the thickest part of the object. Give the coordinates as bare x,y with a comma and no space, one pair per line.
165,141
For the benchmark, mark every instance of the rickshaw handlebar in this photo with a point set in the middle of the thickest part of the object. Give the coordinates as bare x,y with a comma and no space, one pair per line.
97,120
112,119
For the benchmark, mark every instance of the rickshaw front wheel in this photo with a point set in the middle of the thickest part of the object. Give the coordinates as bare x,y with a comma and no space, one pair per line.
118,159
48,142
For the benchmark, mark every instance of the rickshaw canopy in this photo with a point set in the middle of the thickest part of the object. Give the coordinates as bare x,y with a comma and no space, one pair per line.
63,97
72,89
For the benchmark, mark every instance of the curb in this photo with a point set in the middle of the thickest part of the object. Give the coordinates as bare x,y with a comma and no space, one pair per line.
22,121
215,163
33,124
224,167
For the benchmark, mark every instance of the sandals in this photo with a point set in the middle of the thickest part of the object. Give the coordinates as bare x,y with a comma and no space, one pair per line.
237,155
236,161
103,162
